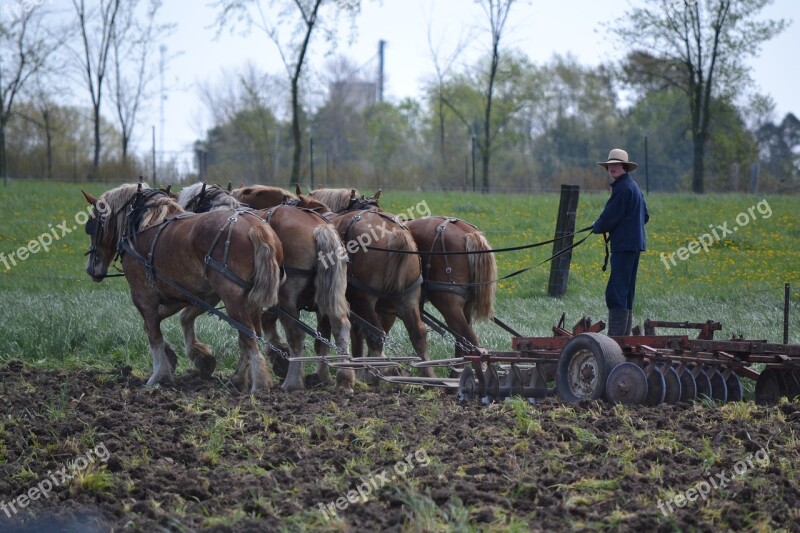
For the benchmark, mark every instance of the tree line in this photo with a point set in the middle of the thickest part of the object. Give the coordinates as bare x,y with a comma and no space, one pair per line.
501,123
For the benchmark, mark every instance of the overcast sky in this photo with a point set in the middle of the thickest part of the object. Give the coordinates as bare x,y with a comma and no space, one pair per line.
538,28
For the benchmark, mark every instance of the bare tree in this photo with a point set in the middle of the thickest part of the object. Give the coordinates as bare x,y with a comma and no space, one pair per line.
132,46
442,64
25,48
96,30
699,47
497,12
304,17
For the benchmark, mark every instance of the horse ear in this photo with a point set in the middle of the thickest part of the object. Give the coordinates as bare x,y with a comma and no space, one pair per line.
352,194
89,198
230,186
378,194
297,189
203,189
168,190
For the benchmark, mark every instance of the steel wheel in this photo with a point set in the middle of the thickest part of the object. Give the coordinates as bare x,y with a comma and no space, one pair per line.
719,391
688,385
769,387
584,366
467,388
626,384
656,385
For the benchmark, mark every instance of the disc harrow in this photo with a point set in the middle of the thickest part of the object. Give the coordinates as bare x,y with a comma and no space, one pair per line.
644,368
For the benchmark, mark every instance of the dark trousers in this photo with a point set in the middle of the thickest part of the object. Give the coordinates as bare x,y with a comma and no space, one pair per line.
621,286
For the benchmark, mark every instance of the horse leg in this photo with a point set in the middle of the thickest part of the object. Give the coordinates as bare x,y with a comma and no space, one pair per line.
197,352
365,308
345,377
162,369
452,307
295,336
408,311
277,355
164,358
251,373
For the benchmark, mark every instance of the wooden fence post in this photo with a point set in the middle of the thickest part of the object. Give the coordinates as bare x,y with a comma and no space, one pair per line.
565,225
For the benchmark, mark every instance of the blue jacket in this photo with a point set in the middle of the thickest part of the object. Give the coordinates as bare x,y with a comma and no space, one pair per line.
624,216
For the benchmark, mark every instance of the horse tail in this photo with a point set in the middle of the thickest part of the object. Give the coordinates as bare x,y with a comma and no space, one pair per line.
483,269
267,256
330,279
399,265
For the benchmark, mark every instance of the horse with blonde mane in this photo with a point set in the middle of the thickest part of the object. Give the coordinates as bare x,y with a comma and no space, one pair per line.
306,237
174,260
381,287
460,287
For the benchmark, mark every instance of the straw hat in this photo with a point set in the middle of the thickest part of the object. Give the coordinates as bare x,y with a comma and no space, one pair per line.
619,156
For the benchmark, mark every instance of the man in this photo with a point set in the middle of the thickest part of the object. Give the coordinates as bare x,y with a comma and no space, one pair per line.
623,218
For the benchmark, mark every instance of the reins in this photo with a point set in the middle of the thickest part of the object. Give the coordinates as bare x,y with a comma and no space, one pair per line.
494,250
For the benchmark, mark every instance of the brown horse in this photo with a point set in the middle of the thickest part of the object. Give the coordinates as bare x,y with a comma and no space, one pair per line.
266,196
306,237
381,286
460,287
175,260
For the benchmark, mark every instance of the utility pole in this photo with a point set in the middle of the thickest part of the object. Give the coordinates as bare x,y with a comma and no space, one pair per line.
163,50
381,48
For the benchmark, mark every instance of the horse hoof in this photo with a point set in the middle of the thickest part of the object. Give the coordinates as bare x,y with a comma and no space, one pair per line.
205,366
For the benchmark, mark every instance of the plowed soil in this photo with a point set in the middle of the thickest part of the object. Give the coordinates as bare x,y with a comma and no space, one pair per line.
199,455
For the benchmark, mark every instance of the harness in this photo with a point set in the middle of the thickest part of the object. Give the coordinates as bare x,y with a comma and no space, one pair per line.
351,279
129,242
463,290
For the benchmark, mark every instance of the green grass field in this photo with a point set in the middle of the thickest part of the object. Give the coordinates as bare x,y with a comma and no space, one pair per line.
54,315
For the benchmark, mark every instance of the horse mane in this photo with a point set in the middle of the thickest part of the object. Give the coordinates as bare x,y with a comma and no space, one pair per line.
160,206
216,197
335,199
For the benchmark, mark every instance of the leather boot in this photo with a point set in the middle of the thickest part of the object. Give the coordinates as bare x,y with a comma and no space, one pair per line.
629,323
617,320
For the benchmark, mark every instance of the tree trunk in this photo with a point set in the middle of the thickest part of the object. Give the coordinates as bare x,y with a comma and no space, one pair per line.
698,142
97,141
3,153
298,141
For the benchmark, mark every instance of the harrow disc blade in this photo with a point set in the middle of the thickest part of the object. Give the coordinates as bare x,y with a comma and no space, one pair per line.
626,384
656,386
673,383
466,385
688,385
702,380
769,387
734,388
719,391
492,385
791,378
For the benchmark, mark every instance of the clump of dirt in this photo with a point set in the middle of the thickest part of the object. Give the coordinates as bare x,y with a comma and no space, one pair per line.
200,455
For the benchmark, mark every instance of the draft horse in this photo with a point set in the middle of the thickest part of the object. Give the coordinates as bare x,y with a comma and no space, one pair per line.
381,286
174,260
311,284
460,287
